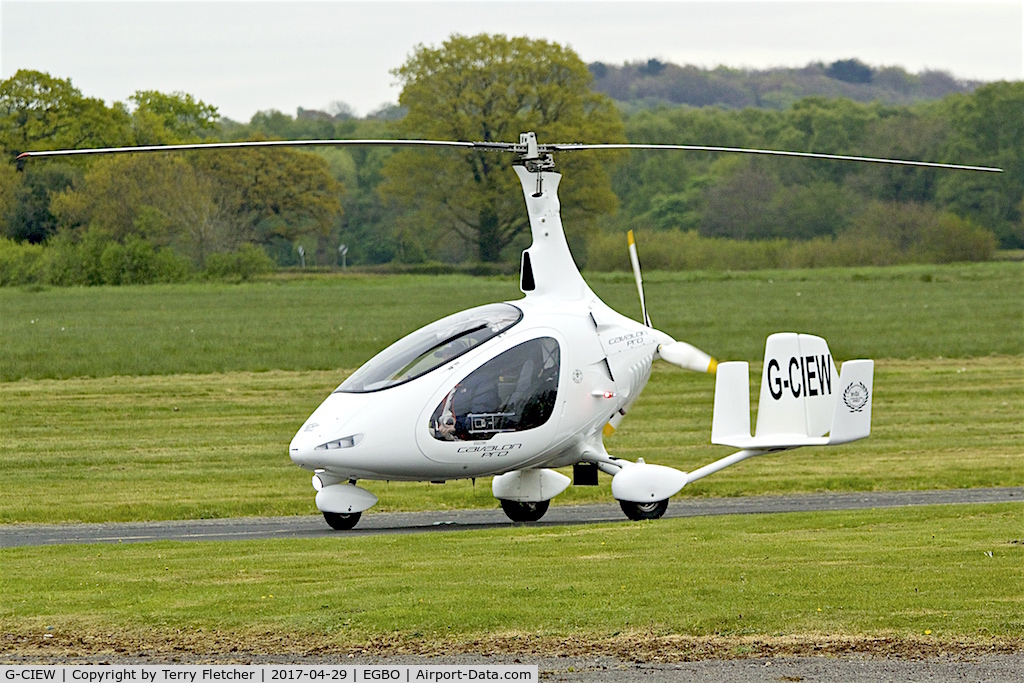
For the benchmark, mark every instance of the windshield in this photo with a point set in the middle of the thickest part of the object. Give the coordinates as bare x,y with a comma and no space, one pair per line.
431,346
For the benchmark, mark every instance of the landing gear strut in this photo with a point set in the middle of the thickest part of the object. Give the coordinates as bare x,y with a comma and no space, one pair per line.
524,512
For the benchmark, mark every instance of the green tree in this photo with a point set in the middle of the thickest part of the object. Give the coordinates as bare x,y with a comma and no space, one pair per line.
492,88
369,220
274,192
160,118
850,71
38,111
988,128
916,134
9,182
115,189
741,207
668,186
30,218
812,210
157,197
825,126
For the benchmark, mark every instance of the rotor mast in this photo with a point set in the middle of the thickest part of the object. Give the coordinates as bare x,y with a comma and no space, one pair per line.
547,267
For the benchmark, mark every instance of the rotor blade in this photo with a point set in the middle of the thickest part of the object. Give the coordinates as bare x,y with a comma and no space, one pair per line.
768,152
525,151
635,260
260,143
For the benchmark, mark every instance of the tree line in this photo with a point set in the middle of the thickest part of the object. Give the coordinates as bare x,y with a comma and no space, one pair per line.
146,217
653,83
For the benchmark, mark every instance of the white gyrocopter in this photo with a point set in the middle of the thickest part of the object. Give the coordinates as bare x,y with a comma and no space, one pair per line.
516,390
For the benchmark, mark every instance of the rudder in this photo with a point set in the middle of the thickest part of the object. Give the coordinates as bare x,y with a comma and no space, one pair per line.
797,388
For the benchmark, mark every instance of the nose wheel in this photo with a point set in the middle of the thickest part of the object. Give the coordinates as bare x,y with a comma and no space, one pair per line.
524,512
342,522
638,511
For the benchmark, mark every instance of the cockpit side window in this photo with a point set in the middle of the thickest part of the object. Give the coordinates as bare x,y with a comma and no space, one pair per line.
429,347
512,392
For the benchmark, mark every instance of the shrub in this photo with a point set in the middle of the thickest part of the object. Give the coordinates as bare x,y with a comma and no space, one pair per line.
674,250
131,263
21,263
951,239
69,262
243,264
172,266
98,259
884,235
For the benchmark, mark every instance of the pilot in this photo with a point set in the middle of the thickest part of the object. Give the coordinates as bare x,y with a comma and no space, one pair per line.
476,394
445,425
479,396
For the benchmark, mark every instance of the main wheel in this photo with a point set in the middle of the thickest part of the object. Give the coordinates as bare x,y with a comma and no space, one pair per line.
340,521
638,511
524,512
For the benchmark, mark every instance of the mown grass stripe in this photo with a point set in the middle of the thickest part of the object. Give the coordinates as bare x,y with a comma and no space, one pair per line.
949,572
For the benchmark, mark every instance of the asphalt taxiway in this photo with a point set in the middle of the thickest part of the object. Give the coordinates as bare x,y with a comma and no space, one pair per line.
313,526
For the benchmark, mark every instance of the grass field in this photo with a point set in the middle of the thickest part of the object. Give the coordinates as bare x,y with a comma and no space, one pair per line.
179,401
940,573
339,322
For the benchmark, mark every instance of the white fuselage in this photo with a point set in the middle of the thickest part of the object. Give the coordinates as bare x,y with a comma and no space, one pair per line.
605,361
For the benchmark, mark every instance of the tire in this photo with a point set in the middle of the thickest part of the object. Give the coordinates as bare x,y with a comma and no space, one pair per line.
340,521
524,512
638,511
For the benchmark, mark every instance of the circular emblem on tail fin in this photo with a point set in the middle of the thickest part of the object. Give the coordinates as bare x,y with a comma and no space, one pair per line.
855,396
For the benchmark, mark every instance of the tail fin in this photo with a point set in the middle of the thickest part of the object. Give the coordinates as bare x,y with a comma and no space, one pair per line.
852,417
801,399
796,386
731,419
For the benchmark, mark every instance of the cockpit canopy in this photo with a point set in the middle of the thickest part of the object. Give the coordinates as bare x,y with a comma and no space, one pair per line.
432,346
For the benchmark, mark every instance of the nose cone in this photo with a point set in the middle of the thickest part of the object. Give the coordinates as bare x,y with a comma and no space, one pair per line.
328,432
303,446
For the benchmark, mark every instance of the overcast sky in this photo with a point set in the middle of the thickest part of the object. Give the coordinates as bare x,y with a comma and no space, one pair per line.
244,56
